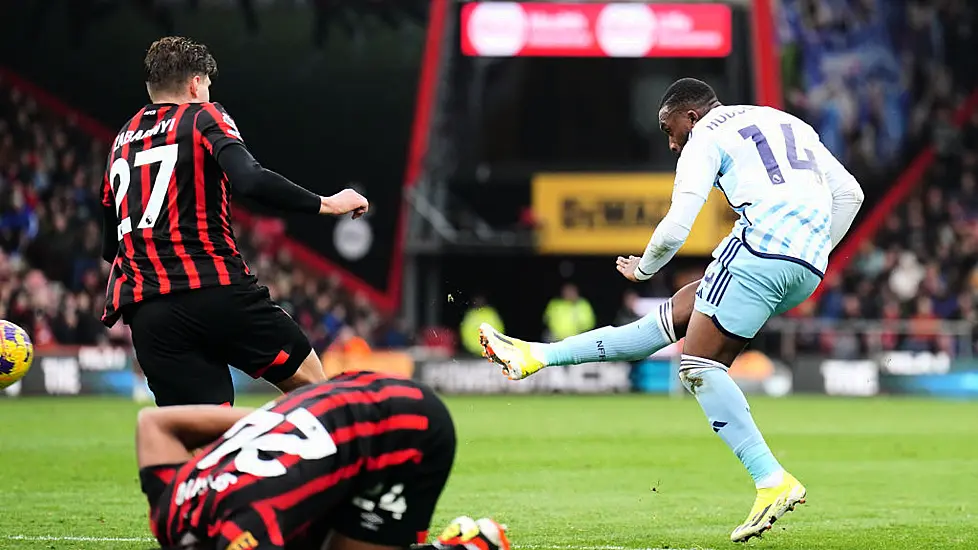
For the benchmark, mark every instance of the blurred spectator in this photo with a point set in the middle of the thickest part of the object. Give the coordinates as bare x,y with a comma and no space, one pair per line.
879,80
568,315
480,312
439,341
906,276
874,76
393,335
627,313
349,342
920,269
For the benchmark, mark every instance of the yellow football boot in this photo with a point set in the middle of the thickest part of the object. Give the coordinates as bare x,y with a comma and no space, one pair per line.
769,506
511,354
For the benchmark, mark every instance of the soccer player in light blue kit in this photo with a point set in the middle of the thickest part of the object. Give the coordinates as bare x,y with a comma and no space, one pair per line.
796,202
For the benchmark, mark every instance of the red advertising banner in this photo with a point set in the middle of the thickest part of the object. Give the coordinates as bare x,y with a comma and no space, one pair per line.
515,29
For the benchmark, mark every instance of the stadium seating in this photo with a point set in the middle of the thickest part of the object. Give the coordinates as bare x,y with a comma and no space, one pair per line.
921,265
918,268
870,76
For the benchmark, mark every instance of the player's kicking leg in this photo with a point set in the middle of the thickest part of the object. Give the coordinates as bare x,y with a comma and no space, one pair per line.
262,340
631,342
733,302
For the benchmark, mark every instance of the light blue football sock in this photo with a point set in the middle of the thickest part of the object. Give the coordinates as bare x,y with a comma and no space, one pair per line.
729,414
631,342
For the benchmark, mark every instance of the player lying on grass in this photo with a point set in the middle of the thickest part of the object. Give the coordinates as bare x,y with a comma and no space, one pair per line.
359,461
796,202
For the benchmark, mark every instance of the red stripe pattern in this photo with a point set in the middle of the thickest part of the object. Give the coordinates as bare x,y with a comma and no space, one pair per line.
280,359
191,244
176,236
128,242
359,411
201,209
147,182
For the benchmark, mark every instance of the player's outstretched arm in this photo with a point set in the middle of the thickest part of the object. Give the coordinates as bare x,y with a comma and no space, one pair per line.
253,180
222,139
695,173
167,435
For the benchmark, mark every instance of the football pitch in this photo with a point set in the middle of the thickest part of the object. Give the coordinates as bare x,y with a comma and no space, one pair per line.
567,473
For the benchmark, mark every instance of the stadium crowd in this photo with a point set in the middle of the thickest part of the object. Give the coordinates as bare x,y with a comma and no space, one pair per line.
52,278
877,79
872,75
922,265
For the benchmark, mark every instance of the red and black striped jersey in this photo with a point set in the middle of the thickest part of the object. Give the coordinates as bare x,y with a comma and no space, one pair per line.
172,204
298,460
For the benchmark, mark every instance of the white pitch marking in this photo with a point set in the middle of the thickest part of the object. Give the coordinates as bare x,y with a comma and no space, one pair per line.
40,538
596,547
44,538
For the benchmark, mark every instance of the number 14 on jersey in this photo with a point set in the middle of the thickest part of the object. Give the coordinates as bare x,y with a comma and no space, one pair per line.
754,133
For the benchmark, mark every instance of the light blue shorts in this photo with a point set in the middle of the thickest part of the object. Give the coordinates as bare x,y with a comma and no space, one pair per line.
741,291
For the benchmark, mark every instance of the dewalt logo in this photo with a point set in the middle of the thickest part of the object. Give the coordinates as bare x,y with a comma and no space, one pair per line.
615,214
611,211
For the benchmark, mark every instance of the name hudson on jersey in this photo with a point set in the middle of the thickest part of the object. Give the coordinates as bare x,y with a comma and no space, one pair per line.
162,126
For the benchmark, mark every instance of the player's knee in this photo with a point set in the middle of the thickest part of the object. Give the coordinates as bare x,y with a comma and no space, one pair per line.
145,419
682,308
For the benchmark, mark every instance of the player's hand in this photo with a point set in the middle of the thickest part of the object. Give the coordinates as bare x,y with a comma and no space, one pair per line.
627,267
463,530
344,202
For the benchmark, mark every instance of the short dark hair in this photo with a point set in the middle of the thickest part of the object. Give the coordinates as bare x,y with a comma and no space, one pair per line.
171,60
687,92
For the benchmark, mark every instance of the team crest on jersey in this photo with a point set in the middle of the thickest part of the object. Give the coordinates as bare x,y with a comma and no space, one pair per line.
234,127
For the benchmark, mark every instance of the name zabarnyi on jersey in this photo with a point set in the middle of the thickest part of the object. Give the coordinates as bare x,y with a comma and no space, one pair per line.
161,127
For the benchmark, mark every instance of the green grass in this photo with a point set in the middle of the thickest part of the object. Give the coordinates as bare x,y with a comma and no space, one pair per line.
564,472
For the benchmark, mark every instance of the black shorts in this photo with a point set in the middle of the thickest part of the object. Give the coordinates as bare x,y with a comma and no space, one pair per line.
186,341
400,513
390,507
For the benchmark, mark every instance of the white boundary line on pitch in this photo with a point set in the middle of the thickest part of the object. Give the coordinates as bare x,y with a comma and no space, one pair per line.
41,538
586,547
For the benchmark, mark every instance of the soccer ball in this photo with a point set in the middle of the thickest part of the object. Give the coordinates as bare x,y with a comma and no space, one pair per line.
16,353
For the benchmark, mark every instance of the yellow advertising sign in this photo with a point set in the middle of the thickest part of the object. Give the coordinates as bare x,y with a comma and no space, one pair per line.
388,362
583,213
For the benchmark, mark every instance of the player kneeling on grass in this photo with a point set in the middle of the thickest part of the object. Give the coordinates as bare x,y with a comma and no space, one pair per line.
354,463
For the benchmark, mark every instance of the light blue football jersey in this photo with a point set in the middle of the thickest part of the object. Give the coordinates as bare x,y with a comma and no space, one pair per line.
773,169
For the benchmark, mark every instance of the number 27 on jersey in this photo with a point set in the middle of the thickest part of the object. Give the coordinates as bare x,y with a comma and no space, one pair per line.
166,156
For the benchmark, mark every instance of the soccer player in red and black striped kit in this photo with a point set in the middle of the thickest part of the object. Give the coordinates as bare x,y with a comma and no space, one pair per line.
359,461
177,278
